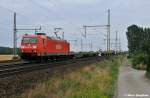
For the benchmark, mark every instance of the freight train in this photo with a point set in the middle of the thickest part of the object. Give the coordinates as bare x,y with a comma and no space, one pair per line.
41,47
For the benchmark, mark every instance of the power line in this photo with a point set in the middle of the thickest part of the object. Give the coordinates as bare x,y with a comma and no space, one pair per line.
101,26
18,13
92,26
45,8
49,10
11,11
15,29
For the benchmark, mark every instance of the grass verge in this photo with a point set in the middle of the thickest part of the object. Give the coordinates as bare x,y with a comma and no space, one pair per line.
6,57
92,81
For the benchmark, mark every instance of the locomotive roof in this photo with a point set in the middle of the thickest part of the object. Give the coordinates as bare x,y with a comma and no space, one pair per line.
53,38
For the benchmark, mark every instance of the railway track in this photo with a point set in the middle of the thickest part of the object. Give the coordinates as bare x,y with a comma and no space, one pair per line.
13,77
7,70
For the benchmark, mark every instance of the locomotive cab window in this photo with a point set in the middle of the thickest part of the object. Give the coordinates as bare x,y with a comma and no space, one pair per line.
29,40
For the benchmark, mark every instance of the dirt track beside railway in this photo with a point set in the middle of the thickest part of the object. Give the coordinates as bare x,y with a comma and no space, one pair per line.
132,83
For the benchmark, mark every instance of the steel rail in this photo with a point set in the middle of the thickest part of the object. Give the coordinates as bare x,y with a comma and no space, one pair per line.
8,70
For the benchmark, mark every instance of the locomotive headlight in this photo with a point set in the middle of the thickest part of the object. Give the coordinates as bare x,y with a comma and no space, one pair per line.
22,46
34,47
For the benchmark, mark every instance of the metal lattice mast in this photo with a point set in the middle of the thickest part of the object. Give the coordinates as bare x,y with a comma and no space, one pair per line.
108,32
14,37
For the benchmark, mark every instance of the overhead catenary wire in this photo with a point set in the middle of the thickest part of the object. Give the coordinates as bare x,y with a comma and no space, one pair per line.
48,10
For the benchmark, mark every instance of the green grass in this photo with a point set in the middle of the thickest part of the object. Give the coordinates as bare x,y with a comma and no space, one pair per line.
92,81
139,61
6,57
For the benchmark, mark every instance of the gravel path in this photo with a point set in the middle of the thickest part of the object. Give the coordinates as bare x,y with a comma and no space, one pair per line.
132,83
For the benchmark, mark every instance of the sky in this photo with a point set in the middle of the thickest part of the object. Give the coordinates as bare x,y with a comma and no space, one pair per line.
71,15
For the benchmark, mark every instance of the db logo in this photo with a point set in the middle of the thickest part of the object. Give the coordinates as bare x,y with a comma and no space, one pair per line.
58,46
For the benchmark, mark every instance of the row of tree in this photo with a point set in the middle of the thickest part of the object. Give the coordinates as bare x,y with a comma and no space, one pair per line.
139,43
8,50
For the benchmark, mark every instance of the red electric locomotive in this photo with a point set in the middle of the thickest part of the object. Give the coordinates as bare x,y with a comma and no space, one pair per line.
40,46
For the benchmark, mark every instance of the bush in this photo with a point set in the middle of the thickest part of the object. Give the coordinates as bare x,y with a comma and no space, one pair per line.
139,60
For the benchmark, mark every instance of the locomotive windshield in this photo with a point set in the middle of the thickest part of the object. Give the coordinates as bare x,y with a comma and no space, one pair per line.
29,40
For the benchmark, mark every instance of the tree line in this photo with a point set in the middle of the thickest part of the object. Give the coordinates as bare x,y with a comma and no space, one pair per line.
7,50
139,45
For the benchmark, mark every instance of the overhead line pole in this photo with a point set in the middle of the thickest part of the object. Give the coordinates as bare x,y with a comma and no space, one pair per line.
108,32
91,45
119,45
81,45
14,37
84,31
107,27
100,26
116,41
